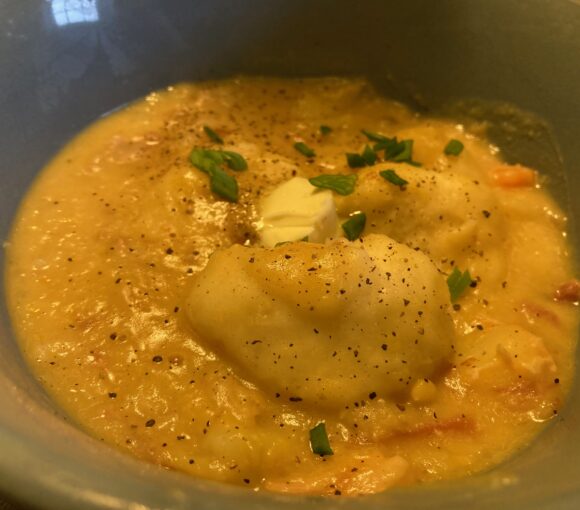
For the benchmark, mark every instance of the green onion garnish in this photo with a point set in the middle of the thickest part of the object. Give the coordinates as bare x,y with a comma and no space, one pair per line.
302,148
369,155
355,160
205,160
319,440
210,162
234,160
392,148
223,184
406,152
393,178
354,226
213,136
458,283
396,151
374,137
453,148
367,158
325,130
342,184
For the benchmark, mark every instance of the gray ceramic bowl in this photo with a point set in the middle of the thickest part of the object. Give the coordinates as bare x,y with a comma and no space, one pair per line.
65,62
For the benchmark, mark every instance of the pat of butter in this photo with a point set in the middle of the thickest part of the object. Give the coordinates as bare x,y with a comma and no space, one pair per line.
297,210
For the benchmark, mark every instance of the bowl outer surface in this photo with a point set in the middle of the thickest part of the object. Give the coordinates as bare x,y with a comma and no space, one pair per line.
63,63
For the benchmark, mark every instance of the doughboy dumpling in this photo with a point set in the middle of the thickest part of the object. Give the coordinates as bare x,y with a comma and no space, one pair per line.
325,324
450,217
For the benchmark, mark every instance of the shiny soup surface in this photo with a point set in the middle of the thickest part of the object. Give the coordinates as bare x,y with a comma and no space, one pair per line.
296,286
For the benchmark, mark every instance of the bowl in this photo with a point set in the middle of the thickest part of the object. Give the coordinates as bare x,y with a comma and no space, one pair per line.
66,62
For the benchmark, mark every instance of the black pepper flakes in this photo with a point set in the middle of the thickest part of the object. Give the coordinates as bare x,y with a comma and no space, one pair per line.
150,423
157,359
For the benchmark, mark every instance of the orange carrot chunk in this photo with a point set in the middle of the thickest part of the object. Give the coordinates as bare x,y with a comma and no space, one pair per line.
568,291
513,176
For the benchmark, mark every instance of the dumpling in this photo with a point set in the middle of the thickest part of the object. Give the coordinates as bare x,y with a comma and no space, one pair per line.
325,324
454,219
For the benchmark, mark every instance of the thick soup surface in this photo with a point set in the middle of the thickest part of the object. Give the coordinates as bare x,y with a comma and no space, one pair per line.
410,318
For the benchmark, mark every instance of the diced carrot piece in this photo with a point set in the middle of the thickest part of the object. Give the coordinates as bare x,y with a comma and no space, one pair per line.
534,312
513,176
568,291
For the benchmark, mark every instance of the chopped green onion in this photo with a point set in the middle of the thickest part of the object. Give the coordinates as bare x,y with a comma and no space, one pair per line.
205,160
302,148
453,148
234,160
399,151
210,162
393,178
213,136
223,184
342,184
369,155
354,226
406,152
367,158
325,130
458,283
355,160
374,137
392,148
319,440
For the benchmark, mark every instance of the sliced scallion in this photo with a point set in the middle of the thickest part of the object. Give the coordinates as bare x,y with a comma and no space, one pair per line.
211,161
355,160
406,152
369,155
303,149
212,135
453,148
223,184
340,183
319,440
458,283
374,137
393,178
354,226
235,161
205,159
